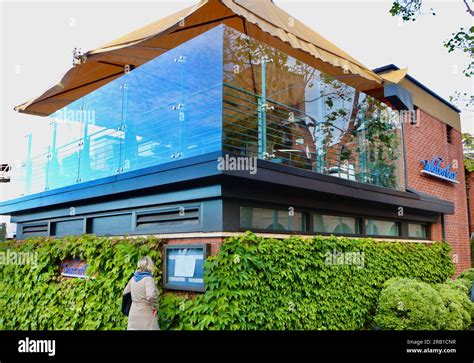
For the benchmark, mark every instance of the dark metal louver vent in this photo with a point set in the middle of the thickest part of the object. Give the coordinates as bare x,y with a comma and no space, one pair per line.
35,230
162,219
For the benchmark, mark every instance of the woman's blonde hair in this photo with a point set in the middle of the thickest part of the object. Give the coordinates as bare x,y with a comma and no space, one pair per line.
146,264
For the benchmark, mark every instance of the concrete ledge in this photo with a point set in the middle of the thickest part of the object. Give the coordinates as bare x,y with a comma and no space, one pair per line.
266,235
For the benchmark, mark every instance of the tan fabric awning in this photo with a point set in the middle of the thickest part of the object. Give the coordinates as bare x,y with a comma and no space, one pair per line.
260,19
395,76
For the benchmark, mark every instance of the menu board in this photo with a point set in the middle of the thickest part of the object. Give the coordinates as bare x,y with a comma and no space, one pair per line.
184,266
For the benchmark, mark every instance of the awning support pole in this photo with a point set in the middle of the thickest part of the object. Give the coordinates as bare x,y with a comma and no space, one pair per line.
262,112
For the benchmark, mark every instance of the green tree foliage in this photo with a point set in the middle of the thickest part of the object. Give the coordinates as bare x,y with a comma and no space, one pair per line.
458,307
3,232
407,304
468,144
461,40
467,274
466,278
408,10
461,284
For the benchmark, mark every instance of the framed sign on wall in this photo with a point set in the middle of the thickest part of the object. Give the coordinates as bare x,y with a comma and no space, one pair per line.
184,266
73,268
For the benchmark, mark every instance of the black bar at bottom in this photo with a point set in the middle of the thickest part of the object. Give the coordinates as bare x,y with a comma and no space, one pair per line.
291,346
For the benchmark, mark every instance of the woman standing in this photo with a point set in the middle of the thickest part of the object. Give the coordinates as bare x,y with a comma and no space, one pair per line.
144,307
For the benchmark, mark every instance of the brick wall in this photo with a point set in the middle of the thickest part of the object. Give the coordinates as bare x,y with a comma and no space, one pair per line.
470,178
424,141
215,242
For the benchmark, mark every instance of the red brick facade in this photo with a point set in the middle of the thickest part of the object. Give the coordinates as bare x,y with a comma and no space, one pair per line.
215,242
426,140
470,194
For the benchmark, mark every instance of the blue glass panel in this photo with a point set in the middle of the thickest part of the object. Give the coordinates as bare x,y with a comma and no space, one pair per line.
66,143
37,171
60,140
168,109
280,109
214,92
102,132
173,104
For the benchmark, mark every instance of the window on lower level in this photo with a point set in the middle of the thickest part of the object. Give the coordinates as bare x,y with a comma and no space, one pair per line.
272,219
335,224
382,228
417,230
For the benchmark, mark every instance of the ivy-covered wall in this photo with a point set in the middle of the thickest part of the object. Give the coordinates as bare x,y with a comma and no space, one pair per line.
253,283
31,296
258,283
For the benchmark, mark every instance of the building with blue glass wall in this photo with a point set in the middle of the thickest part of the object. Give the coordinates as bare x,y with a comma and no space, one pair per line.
232,128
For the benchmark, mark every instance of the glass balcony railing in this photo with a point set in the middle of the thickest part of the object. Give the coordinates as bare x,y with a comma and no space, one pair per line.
365,152
278,108
218,91
168,109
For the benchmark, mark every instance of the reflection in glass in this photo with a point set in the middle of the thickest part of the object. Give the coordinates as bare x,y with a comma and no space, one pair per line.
335,224
382,228
309,120
271,219
220,91
417,230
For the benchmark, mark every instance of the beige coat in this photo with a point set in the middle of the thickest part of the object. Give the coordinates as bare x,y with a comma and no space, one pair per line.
144,301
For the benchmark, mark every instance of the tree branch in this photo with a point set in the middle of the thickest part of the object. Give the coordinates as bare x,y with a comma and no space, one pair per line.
469,10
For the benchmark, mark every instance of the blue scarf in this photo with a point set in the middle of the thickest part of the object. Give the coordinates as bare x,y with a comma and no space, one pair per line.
138,276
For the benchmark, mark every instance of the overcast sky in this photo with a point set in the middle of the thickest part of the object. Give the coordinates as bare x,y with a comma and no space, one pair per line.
37,39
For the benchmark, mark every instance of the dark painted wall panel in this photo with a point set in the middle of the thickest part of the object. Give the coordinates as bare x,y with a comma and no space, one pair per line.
137,201
212,213
203,216
67,228
167,174
111,225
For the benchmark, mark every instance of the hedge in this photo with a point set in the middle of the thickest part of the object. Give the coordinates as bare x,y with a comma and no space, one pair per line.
407,304
31,296
259,283
468,274
458,307
253,283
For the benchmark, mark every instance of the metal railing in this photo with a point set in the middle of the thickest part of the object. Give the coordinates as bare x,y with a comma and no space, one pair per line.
150,138
296,139
241,122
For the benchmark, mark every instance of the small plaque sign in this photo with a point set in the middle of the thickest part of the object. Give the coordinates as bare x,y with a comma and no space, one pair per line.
73,268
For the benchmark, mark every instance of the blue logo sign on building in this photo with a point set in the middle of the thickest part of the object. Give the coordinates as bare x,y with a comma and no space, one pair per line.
436,169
